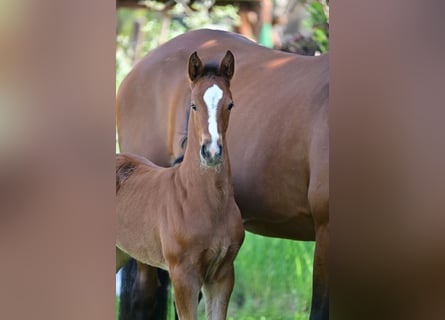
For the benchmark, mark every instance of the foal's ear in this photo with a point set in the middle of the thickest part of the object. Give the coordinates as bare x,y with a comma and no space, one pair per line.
227,67
195,66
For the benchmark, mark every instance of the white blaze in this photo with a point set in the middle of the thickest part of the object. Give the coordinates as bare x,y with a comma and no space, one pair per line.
211,98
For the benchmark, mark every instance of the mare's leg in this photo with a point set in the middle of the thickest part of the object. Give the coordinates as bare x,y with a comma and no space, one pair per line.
318,195
186,285
320,294
217,294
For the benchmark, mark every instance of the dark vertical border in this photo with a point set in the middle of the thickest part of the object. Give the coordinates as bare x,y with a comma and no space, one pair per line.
57,160
387,151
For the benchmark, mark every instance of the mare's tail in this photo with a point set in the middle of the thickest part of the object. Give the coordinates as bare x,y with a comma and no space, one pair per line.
143,300
128,274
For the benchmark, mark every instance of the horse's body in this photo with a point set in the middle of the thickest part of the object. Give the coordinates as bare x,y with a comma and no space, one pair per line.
279,138
184,219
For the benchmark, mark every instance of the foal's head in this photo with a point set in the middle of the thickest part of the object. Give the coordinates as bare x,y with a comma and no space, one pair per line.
211,102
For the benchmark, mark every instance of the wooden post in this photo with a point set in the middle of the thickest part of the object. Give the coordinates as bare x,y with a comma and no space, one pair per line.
165,27
137,39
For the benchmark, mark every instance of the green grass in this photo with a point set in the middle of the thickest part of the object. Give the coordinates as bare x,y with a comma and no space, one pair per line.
273,280
117,308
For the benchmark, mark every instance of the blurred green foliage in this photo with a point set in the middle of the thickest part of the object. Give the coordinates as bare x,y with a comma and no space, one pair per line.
318,21
273,279
180,19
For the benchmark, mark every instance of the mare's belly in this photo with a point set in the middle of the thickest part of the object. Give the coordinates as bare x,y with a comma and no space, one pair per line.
274,207
294,228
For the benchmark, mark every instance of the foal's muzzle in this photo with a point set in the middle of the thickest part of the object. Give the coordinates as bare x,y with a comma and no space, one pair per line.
211,155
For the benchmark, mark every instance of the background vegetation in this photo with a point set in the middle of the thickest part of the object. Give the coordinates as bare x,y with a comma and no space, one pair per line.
273,276
273,279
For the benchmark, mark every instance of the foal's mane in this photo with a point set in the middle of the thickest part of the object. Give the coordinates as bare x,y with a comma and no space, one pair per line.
210,70
123,171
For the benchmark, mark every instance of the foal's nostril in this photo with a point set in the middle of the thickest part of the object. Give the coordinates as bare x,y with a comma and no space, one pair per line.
211,153
214,150
219,153
204,152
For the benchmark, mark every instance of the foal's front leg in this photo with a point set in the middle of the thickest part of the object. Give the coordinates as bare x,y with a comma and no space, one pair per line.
186,285
217,293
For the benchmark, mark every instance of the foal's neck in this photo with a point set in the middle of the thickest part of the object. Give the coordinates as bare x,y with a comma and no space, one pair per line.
216,181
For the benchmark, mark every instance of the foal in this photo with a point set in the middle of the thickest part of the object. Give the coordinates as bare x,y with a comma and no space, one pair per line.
184,219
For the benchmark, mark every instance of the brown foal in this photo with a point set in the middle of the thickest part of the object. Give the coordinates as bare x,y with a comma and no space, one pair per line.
184,219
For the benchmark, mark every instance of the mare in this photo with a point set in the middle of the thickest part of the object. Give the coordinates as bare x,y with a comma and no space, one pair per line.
184,219
279,138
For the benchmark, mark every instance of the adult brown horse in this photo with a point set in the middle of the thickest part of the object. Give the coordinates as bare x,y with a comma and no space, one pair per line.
279,138
184,219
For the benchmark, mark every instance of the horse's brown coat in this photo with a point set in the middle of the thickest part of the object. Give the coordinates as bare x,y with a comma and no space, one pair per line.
184,219
278,137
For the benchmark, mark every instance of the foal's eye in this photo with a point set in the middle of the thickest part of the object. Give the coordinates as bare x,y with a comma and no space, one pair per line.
230,106
193,106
